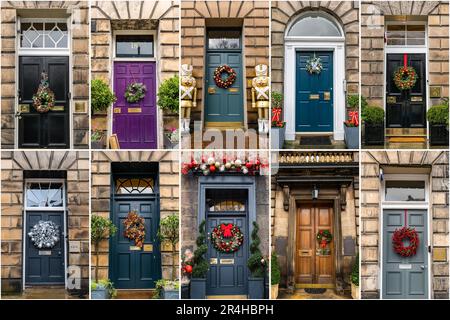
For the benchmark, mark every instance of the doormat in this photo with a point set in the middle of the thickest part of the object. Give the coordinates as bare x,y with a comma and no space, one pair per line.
315,141
315,290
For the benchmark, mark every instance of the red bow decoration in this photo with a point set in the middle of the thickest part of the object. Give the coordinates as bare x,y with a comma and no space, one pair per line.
276,114
354,117
323,243
405,60
226,230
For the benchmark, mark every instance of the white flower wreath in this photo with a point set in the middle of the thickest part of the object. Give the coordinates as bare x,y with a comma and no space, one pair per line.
44,234
314,65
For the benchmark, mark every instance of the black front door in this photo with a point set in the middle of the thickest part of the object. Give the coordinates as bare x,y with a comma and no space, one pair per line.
43,130
406,108
44,265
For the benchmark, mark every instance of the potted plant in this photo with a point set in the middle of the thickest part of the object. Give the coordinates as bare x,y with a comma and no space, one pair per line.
167,289
351,126
101,97
354,278
437,116
97,139
168,95
200,265
278,129
101,229
172,138
256,265
373,118
275,276
169,232
187,259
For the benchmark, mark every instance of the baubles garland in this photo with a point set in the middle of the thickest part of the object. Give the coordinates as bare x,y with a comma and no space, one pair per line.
405,78
44,234
224,83
213,165
405,233
135,92
135,228
227,238
44,99
314,65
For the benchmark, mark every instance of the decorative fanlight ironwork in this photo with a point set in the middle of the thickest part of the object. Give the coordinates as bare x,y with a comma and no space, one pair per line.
49,35
44,194
134,185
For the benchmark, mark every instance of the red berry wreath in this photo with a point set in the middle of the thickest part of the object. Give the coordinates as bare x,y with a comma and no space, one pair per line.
224,83
227,238
400,235
405,78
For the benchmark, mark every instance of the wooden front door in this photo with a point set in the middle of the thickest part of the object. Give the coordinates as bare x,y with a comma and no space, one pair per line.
406,108
313,264
50,129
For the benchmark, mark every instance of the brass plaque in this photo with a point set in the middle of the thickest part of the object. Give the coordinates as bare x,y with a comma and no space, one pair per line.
326,95
439,254
25,108
45,252
148,247
117,110
80,107
211,90
233,89
391,99
213,261
134,110
314,97
416,99
226,261
435,92
58,108
135,248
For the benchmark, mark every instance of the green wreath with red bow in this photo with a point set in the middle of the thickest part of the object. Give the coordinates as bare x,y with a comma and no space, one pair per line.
405,77
135,228
227,238
324,237
224,83
398,241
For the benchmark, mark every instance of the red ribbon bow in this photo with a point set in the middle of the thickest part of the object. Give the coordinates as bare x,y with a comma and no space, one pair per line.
323,243
276,114
354,117
226,230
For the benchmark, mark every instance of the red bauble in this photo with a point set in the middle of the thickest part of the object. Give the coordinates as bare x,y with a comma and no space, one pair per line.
188,268
249,165
212,168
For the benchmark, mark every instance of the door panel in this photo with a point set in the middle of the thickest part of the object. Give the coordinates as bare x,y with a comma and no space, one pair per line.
135,123
405,277
45,266
406,108
51,129
312,266
314,109
224,105
135,269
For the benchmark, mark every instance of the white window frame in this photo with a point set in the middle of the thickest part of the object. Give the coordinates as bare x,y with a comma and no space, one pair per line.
420,205
405,23
26,209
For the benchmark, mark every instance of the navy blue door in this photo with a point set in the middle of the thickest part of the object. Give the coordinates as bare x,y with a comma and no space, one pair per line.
227,273
44,266
133,267
314,93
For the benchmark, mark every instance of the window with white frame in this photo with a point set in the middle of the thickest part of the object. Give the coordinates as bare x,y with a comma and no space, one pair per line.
44,194
44,35
405,188
406,33
315,24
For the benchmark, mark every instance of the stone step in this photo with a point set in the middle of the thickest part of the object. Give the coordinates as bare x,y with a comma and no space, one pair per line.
135,294
406,132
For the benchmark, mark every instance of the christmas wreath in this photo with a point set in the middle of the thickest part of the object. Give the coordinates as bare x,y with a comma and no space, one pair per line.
135,92
135,228
44,99
405,78
227,238
324,237
44,234
224,83
314,65
398,238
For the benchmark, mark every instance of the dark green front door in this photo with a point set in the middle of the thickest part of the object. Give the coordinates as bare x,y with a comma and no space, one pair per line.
314,93
224,105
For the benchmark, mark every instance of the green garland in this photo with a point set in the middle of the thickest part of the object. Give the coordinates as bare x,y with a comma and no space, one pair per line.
135,92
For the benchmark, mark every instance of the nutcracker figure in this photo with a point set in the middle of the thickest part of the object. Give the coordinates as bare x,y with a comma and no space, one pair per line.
260,96
188,95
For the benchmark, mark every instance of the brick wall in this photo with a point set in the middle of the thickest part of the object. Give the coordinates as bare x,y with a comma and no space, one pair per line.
79,69
101,194
76,165
437,162
252,16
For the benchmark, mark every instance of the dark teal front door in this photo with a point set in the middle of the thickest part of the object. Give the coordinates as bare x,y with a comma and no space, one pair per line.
224,105
132,267
314,93
405,277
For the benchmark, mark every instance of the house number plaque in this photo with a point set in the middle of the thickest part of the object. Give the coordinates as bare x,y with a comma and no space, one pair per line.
25,108
213,261
45,252
326,95
391,99
226,261
405,266
148,247
135,248
117,110
211,90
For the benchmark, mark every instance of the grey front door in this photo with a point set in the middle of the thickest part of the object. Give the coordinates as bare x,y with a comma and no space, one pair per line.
405,277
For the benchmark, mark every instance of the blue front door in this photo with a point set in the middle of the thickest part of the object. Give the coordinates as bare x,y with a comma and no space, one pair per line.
314,93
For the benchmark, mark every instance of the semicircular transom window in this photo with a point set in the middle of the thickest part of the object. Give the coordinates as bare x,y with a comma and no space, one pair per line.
134,185
44,194
314,25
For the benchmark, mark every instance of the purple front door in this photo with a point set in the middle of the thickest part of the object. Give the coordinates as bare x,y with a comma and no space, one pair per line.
135,123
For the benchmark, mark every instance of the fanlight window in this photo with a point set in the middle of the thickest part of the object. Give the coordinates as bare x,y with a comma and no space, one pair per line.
226,205
47,35
401,34
134,186
44,195
314,25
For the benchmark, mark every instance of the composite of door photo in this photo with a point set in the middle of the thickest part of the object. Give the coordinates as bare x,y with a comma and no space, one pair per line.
231,150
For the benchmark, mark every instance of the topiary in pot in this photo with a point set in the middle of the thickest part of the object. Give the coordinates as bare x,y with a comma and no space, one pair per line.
169,232
437,116
354,278
256,265
373,125
275,275
200,265
351,126
168,95
101,96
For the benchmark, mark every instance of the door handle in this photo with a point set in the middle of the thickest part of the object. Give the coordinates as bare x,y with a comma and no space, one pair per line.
422,267
18,115
59,252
